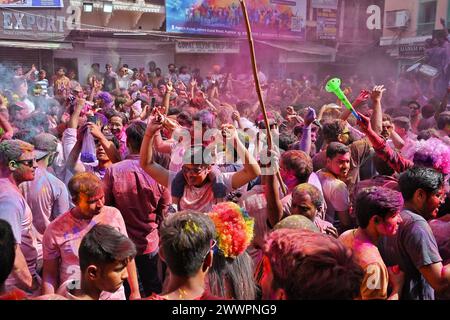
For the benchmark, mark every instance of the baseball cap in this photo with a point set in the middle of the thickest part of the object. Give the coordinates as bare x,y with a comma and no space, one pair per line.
44,143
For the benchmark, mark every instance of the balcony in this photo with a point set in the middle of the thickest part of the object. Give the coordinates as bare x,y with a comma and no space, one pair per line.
121,15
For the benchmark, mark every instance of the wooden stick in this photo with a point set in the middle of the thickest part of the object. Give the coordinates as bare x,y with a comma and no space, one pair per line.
258,86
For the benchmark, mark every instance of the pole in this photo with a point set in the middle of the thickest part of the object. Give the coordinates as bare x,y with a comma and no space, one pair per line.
258,86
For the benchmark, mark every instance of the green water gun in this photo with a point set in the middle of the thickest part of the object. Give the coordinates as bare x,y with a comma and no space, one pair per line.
334,86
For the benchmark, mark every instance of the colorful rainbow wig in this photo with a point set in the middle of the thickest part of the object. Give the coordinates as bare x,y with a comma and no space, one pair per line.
234,228
431,153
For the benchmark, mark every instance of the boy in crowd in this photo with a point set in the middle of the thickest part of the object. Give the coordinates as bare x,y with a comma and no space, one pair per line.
104,255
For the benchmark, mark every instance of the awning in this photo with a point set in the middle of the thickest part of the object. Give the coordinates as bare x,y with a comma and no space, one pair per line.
302,53
302,48
36,45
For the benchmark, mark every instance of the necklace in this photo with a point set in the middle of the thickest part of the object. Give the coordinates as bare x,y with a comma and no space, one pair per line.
182,294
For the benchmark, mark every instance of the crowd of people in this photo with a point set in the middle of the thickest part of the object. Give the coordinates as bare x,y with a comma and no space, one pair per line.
141,185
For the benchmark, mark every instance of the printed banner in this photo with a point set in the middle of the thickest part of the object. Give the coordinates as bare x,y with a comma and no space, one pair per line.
206,47
269,18
32,3
326,24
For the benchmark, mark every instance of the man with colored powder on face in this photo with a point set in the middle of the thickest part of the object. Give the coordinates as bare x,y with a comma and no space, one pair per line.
414,246
18,164
198,192
378,212
335,191
63,236
46,195
117,125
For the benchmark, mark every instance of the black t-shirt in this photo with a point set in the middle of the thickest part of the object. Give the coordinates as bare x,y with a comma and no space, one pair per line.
412,247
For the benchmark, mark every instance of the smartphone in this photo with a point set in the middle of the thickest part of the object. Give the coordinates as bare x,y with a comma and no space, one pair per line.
152,103
92,119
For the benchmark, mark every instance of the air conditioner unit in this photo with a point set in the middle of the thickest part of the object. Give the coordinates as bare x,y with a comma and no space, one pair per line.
397,19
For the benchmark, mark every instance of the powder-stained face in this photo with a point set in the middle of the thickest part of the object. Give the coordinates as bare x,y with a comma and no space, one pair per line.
389,225
100,152
303,205
194,174
91,206
25,167
115,125
432,203
339,165
288,176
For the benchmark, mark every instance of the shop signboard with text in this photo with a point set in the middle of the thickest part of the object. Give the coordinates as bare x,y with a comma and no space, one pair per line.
280,19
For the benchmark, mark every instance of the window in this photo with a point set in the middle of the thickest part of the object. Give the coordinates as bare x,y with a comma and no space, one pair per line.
427,17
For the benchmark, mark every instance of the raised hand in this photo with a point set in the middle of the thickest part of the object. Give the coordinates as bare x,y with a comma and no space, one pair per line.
236,116
95,130
377,93
290,111
169,86
363,96
310,116
364,123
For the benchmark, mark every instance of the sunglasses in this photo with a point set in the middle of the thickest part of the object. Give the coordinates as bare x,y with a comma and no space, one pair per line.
196,170
29,163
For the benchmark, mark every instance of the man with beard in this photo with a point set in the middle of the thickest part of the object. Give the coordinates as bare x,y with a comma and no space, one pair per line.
335,191
414,246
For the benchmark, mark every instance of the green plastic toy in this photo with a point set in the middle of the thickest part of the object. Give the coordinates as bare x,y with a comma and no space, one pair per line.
334,86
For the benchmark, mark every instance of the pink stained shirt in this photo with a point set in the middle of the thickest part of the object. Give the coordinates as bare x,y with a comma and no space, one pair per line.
63,236
15,210
140,199
48,198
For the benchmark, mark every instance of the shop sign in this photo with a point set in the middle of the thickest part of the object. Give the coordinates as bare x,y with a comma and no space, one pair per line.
207,47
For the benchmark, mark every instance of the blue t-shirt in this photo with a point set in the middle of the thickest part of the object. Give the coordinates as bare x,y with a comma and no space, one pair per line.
413,247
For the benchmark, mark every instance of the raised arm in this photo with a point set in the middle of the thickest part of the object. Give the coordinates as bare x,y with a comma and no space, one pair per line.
376,119
72,162
28,74
395,160
251,168
166,102
305,142
274,204
362,97
110,150
157,172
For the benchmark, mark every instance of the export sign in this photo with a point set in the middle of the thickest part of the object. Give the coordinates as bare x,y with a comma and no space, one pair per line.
51,25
